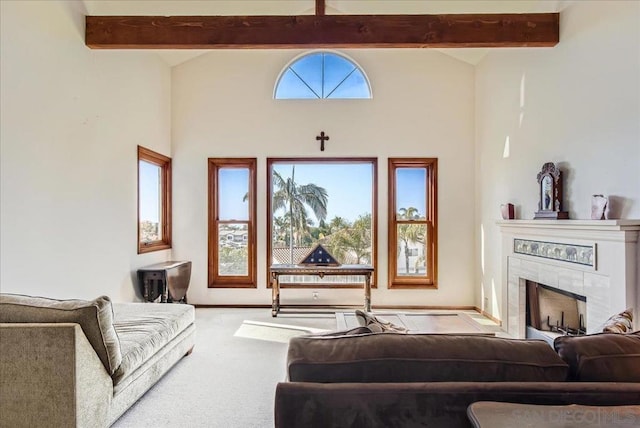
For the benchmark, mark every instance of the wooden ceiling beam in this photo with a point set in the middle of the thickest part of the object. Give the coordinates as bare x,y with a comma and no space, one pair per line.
322,31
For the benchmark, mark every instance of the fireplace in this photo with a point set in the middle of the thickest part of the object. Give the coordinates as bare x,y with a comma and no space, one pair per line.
594,261
551,312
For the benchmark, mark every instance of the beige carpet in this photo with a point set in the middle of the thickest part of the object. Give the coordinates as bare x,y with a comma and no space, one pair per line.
230,378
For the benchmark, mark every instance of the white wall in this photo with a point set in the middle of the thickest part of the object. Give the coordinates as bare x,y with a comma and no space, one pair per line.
578,105
70,122
423,106
71,119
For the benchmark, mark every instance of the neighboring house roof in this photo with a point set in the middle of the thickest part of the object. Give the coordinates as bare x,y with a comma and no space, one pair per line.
281,255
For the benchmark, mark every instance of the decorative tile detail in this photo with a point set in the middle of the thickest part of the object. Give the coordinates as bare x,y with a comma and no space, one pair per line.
579,254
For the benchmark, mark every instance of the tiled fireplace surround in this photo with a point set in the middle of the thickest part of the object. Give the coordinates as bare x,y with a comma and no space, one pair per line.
610,280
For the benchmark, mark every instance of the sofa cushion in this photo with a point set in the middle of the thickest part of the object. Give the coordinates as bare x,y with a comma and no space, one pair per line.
601,357
144,328
95,318
393,357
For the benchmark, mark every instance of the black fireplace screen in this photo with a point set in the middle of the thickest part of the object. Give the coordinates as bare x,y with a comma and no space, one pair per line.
555,310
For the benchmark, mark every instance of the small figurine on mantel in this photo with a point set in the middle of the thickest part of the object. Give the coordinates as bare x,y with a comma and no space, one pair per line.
550,188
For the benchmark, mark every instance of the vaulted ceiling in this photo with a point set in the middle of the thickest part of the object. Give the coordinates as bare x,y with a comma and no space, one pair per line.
212,8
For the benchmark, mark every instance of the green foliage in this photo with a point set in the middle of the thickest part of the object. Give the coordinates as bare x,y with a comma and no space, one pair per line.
410,233
346,239
149,231
233,261
347,242
352,238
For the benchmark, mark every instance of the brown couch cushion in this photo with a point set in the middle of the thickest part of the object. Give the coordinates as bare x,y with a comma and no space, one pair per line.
391,357
601,357
95,317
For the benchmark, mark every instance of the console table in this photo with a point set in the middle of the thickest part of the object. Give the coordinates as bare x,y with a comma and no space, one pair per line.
169,280
288,269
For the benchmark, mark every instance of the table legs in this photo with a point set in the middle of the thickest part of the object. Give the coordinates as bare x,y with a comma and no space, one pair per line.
275,295
367,293
275,292
147,289
165,291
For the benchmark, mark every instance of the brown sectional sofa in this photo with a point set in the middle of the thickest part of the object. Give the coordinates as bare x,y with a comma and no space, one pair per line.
77,363
429,380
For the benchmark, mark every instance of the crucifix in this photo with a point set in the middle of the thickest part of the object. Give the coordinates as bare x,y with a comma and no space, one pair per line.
322,138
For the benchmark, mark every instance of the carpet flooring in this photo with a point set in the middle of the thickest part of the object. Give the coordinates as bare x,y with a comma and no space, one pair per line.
229,380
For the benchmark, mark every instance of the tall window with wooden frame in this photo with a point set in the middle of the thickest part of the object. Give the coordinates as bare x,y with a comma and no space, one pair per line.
413,222
154,201
232,223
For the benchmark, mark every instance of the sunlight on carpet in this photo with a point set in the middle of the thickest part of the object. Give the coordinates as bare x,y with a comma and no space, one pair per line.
273,332
481,319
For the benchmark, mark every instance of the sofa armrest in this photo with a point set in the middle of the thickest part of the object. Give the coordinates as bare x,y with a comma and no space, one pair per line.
50,375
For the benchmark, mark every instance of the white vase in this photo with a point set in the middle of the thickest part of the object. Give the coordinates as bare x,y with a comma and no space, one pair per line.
598,207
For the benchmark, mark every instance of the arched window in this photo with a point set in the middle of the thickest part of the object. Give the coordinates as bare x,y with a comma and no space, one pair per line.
322,75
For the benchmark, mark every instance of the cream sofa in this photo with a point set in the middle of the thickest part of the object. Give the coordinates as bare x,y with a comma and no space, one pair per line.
76,363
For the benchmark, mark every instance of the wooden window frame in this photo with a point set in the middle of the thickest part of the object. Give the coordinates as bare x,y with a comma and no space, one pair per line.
374,217
164,162
215,280
431,188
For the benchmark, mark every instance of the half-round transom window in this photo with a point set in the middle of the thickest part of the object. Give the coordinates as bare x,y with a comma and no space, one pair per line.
322,75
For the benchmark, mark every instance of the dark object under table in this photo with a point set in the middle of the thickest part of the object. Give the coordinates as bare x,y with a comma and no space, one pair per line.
167,280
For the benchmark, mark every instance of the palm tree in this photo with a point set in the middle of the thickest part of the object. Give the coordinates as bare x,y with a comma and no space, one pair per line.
338,223
334,242
294,198
409,232
350,238
281,228
360,238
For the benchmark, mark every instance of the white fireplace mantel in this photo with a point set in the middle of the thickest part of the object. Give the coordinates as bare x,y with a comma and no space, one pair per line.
598,259
571,225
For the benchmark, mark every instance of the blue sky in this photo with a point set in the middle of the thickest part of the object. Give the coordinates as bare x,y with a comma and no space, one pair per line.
410,188
322,75
348,186
233,185
149,191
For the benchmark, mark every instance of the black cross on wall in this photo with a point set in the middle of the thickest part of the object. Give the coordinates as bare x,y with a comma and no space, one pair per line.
322,138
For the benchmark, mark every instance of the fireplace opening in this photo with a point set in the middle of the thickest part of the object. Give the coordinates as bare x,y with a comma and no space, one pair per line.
551,312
